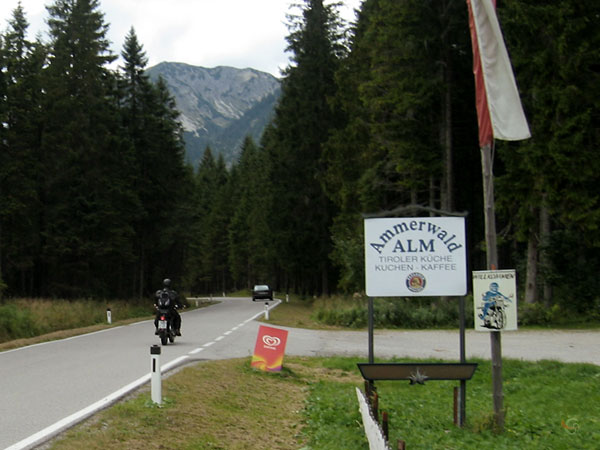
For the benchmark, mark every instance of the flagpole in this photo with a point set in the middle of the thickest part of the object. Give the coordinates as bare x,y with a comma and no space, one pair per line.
492,264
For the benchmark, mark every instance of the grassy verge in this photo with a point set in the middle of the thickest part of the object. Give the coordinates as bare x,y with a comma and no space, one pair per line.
31,321
312,404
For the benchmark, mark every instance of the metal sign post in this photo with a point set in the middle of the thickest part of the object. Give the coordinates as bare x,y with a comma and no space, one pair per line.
418,256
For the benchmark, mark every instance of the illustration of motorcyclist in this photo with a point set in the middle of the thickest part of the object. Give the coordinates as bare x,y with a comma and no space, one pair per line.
490,299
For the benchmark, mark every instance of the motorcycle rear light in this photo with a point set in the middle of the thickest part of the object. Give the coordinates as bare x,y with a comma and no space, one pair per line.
162,318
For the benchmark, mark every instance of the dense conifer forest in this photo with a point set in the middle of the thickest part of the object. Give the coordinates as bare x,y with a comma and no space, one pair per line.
97,201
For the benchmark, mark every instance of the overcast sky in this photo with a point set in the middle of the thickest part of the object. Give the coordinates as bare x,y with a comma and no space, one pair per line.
208,33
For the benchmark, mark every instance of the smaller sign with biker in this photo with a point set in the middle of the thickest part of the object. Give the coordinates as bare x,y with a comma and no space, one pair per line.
495,300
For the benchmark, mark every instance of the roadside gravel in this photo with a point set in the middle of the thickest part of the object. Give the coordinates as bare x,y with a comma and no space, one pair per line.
561,345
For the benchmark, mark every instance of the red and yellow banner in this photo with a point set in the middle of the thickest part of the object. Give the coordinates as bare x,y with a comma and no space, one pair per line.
269,349
499,110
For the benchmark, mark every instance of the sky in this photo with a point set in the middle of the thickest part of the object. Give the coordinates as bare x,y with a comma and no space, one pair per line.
207,33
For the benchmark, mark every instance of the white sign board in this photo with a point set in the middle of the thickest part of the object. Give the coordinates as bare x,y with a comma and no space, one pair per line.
495,300
417,256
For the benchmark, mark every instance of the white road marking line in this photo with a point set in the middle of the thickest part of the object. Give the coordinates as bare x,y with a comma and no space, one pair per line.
193,352
60,340
55,428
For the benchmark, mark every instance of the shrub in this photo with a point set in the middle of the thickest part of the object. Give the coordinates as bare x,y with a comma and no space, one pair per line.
392,312
15,323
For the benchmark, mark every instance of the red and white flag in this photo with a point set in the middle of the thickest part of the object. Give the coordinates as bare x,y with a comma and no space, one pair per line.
499,109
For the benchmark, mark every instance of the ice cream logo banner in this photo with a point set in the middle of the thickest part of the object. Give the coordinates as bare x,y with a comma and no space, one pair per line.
269,349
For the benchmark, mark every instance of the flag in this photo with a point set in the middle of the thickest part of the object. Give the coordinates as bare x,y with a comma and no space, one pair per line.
499,111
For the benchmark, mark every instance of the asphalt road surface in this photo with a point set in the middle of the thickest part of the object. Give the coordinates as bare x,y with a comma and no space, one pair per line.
48,387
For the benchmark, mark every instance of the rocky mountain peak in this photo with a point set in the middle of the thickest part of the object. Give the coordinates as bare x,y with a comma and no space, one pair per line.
219,106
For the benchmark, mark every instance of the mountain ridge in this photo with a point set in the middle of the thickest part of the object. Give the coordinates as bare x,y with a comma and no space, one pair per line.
219,106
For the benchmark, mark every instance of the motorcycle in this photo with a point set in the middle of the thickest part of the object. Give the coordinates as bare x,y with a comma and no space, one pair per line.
166,331
495,317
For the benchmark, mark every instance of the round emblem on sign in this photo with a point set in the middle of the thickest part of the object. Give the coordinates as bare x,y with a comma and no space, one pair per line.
415,282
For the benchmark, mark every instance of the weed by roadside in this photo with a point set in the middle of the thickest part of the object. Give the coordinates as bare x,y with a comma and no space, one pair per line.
26,318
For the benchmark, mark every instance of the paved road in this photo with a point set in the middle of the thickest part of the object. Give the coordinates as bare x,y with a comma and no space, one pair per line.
48,387
566,346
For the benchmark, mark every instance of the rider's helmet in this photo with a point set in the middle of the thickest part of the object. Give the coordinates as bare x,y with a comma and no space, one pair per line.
166,282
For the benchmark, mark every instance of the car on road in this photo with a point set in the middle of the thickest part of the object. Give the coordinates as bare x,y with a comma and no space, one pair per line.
262,292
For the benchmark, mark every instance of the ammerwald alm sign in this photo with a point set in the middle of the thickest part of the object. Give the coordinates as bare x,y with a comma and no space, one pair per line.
407,257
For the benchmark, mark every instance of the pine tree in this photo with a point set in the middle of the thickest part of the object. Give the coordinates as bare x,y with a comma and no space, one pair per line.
548,189
302,212
396,144
200,274
21,66
86,200
250,249
167,204
150,118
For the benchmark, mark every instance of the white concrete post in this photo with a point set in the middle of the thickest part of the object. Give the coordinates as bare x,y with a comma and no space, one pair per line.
155,381
108,316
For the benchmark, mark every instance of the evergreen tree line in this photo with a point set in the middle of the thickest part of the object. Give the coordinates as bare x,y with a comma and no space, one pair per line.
93,187
381,114
95,199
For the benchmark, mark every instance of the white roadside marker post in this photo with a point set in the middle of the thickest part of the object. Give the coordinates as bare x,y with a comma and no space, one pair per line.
155,381
108,316
266,310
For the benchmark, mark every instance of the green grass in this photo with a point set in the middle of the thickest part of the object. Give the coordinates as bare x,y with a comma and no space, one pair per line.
549,405
26,318
217,405
312,404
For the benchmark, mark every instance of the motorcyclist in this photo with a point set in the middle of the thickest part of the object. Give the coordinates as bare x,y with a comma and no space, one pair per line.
173,304
490,298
